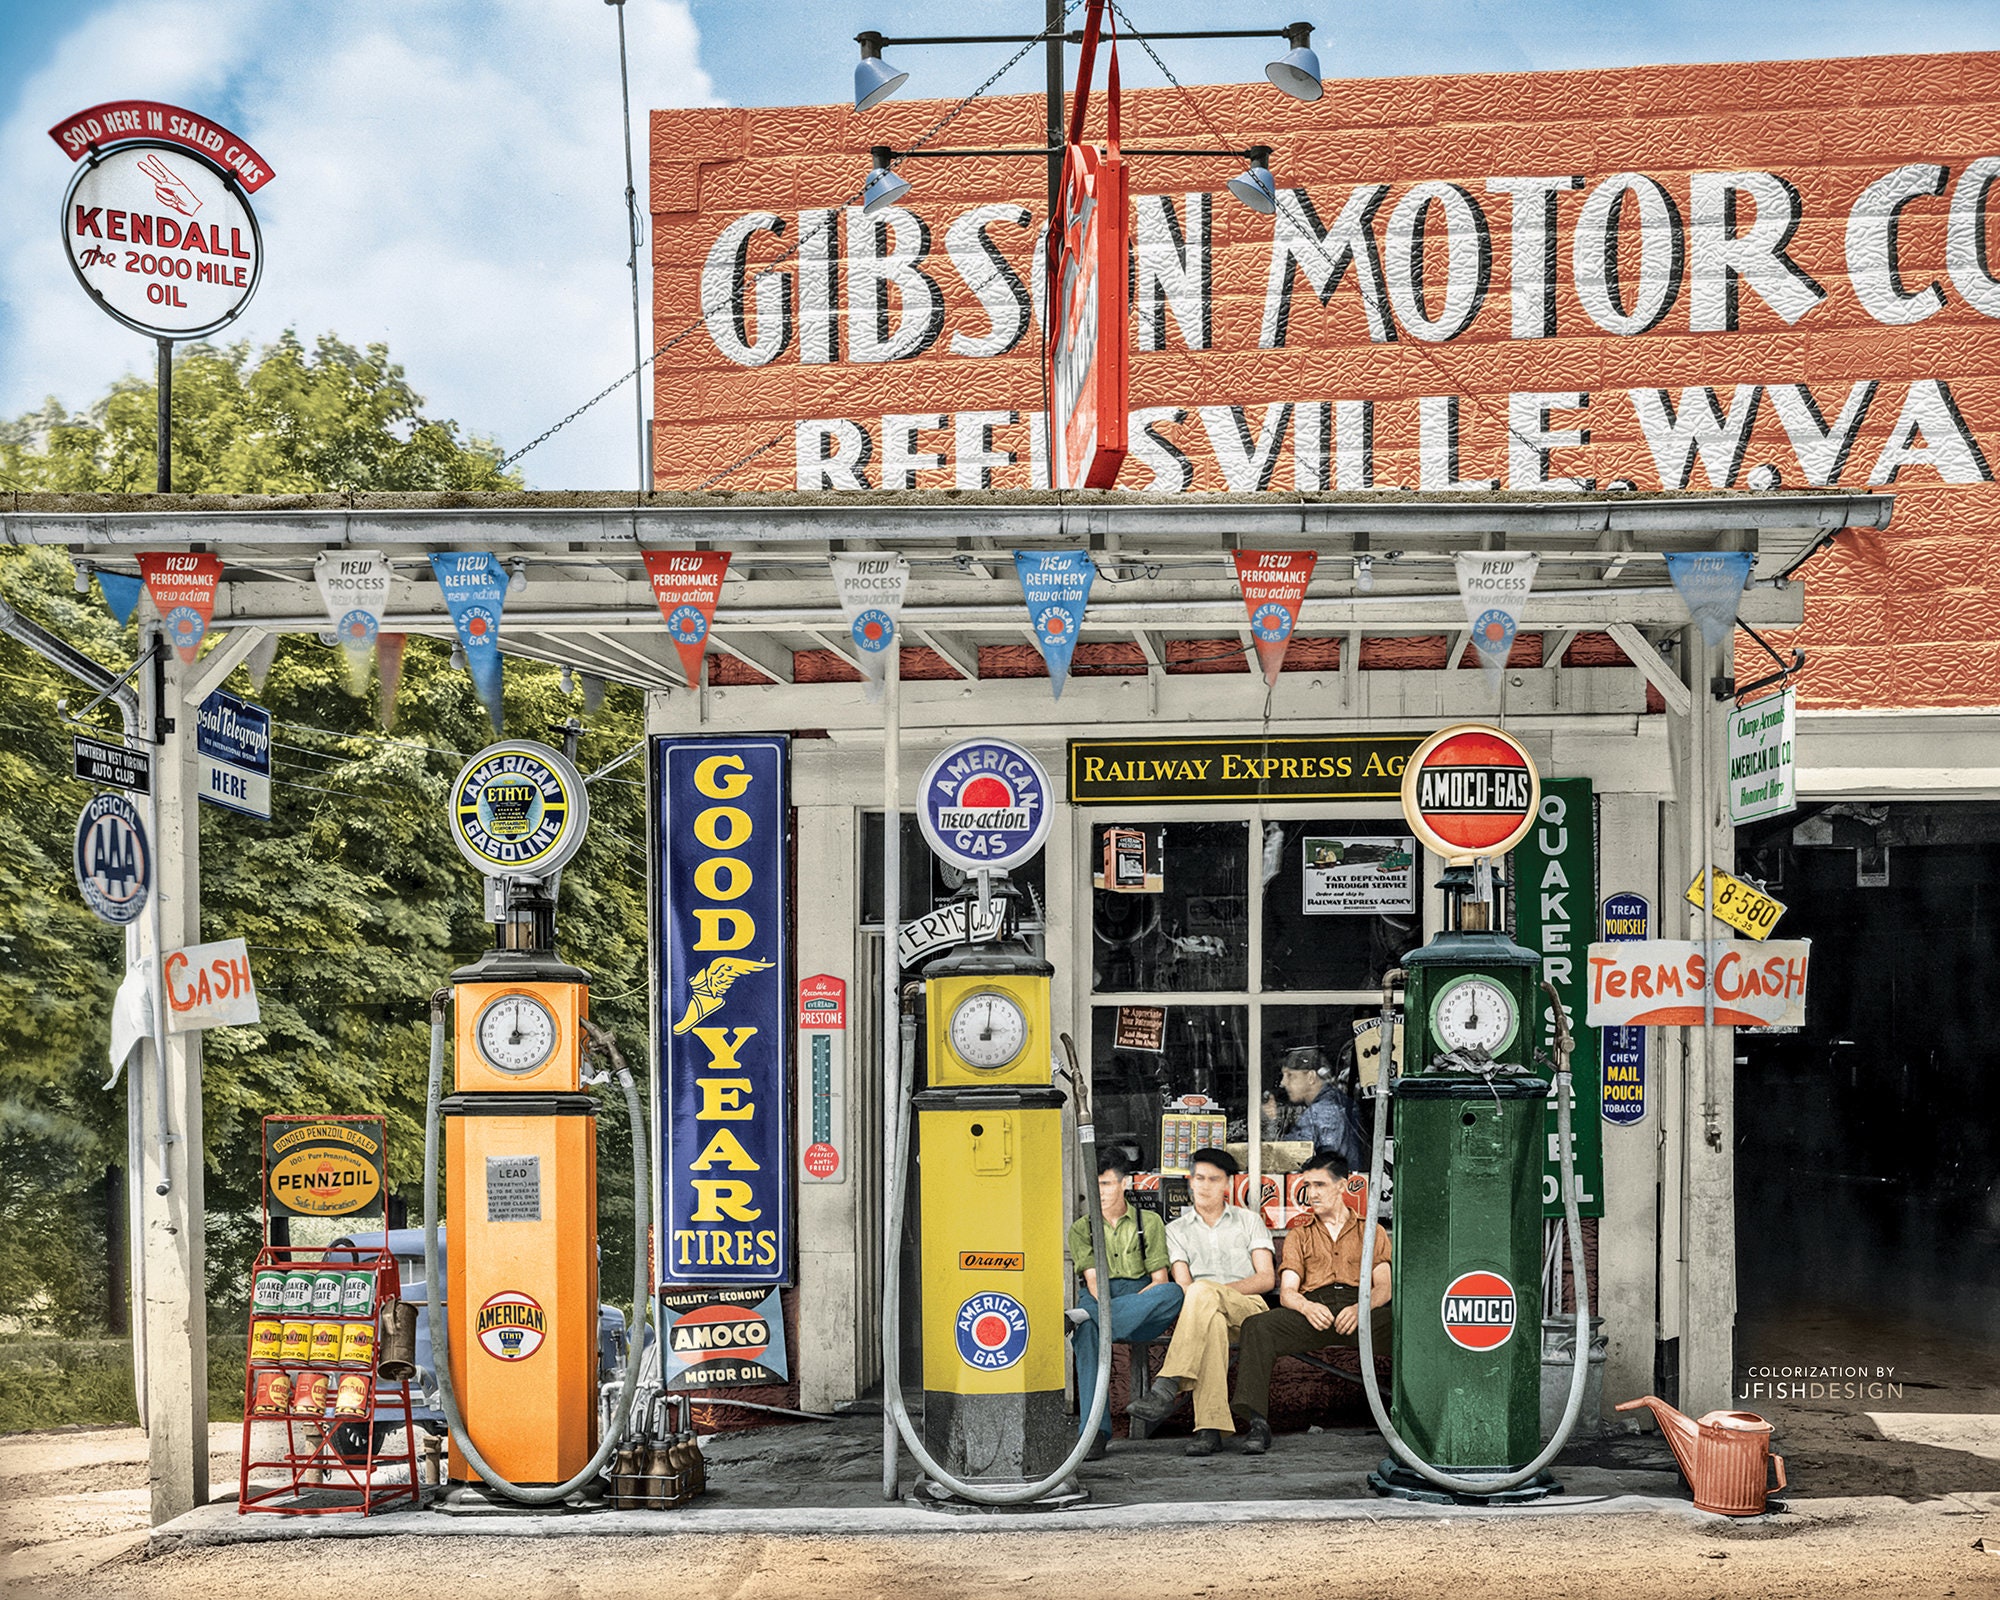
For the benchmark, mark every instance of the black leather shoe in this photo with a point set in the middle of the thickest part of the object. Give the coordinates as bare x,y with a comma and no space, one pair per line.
1098,1446
1256,1436
1153,1407
1206,1442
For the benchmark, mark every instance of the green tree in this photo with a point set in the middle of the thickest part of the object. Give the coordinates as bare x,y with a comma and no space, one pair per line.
352,899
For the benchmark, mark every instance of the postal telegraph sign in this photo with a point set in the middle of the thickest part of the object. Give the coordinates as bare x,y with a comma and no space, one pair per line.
157,221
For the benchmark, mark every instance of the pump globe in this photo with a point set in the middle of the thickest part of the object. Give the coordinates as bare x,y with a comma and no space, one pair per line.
875,80
1256,189
1296,73
883,189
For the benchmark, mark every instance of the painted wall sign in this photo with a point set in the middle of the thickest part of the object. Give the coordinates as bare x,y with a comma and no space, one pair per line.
1470,790
1167,771
113,858
209,986
1843,201
323,1167
822,1079
717,1340
232,742
1625,917
984,805
519,810
721,959
161,235
1660,983
98,761
1761,765
1555,905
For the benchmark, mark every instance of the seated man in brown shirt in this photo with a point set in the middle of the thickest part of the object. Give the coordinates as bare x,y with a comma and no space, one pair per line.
1318,1293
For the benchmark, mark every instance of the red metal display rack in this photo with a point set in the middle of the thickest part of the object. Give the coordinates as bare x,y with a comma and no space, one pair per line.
330,1461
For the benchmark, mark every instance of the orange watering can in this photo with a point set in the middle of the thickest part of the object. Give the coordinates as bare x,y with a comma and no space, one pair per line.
1724,1456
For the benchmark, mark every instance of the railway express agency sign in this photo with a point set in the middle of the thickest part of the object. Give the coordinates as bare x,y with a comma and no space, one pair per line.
157,221
518,810
1470,790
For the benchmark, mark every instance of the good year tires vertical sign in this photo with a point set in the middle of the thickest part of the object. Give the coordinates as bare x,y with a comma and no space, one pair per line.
721,954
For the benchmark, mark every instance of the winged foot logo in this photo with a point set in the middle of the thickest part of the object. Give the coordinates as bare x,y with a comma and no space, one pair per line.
708,989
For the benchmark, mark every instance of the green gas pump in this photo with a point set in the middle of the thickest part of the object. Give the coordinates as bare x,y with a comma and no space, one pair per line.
1468,1099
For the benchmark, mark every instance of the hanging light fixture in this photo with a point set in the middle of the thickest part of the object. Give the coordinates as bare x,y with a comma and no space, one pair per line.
1296,72
517,575
874,79
457,656
567,680
83,571
884,188
1256,188
1364,574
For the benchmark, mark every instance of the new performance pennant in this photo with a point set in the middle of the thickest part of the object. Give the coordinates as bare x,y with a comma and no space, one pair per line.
1056,585
183,589
871,597
686,586
1710,584
1273,584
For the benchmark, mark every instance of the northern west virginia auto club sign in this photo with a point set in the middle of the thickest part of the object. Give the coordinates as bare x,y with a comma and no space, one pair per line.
721,959
157,222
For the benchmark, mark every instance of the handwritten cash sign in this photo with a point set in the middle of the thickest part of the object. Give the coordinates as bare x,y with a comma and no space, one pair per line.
1761,741
518,810
323,1167
1662,983
1199,771
157,222
984,805
721,963
1470,790
716,1340
209,986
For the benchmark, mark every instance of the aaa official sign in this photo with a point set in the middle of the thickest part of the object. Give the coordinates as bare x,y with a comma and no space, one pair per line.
323,1167
157,222
1663,983
114,861
721,960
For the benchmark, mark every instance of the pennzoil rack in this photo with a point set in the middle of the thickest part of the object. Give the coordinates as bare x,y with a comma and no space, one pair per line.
324,1470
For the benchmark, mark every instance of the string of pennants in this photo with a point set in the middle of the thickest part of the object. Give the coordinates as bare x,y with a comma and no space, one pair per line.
1055,589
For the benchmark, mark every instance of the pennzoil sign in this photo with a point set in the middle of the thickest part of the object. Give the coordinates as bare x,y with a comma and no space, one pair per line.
323,1168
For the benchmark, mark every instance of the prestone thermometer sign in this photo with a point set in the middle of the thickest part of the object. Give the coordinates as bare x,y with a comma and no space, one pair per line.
1470,791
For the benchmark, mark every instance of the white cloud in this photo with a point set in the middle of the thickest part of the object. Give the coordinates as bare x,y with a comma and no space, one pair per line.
449,180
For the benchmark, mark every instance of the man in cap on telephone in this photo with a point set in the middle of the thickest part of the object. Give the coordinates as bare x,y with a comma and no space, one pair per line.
1326,1114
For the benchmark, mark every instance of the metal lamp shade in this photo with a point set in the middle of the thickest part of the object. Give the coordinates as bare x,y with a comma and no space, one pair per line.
875,80
1296,73
884,188
1256,189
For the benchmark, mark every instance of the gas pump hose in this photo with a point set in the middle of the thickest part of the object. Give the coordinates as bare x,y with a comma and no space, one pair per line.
1565,1092
461,1440
892,1296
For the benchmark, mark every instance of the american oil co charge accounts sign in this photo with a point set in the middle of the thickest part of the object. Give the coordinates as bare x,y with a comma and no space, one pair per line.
157,221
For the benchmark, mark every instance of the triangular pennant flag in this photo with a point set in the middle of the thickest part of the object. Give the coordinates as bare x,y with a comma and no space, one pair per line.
258,662
1056,585
871,597
183,589
121,593
1711,587
355,586
475,589
1494,587
686,585
1273,583
389,665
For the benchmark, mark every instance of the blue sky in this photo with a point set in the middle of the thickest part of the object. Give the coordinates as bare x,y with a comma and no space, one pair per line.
450,175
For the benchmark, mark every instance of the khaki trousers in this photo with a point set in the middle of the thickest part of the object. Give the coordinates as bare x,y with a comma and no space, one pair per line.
1211,1314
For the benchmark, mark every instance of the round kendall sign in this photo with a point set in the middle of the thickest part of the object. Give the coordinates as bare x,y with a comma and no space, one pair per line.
518,810
984,806
1479,1310
992,1331
1470,790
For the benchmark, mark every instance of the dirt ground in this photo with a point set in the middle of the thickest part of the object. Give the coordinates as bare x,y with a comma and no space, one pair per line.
73,1512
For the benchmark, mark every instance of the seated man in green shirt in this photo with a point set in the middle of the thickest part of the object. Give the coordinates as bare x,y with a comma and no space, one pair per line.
1144,1299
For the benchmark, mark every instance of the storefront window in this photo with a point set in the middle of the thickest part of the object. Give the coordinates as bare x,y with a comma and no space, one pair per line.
1185,928
1340,902
1200,1050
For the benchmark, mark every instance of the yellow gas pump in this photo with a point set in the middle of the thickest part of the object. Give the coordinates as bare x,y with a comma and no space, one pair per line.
516,1343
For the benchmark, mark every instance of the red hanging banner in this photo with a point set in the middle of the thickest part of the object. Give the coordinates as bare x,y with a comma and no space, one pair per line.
686,585
183,589
1273,584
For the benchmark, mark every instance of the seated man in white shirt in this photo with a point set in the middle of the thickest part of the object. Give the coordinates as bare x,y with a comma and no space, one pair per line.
1221,1257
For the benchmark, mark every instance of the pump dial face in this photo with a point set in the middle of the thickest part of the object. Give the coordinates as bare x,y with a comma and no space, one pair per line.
988,1029
516,1033
1474,1012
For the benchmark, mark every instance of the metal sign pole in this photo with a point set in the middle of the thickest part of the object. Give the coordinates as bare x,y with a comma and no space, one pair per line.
891,1028
165,425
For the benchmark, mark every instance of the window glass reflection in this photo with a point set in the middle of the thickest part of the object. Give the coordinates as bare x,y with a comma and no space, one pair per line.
1341,901
1187,928
1201,1050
